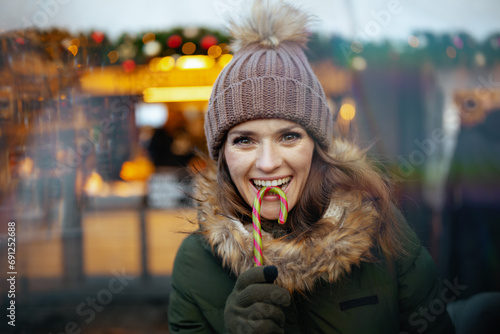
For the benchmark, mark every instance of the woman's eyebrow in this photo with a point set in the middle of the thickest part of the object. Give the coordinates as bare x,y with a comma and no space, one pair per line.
241,133
279,131
288,129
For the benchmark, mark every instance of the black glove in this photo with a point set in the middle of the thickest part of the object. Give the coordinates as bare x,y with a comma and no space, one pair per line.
256,304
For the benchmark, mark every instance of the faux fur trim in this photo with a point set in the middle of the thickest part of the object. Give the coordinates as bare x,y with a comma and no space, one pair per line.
269,23
343,239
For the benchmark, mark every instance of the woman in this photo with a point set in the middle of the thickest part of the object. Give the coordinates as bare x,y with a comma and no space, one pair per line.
344,262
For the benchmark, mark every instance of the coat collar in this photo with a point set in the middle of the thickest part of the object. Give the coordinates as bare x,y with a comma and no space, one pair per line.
342,239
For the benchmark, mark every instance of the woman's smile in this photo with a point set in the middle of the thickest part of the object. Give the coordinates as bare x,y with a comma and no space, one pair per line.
271,153
280,182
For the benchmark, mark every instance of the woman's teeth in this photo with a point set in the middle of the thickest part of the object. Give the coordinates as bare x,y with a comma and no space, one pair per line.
274,183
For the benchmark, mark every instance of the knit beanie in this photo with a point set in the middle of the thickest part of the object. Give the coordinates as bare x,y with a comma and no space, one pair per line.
268,77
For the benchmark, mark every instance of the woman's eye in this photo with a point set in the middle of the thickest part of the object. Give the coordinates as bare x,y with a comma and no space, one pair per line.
291,136
241,141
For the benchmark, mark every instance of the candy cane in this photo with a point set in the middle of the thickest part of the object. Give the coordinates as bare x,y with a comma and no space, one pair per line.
257,229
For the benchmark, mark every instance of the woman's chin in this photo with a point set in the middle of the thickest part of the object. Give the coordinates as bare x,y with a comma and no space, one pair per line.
270,210
270,214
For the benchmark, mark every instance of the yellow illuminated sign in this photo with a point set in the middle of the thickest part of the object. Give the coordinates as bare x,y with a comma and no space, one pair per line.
194,62
177,94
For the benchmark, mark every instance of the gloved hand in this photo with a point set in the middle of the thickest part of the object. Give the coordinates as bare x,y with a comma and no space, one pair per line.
256,304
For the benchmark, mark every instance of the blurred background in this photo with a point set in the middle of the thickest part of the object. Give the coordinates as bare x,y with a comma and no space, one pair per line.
101,113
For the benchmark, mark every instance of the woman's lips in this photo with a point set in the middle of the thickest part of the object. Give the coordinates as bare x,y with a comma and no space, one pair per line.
272,196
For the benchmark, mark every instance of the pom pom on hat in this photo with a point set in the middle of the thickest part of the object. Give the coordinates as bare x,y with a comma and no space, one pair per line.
269,23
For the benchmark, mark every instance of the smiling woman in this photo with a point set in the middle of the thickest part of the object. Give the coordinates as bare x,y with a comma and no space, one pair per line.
345,261
270,152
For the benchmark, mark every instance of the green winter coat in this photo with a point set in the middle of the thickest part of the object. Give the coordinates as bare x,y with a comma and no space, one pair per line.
338,284
372,299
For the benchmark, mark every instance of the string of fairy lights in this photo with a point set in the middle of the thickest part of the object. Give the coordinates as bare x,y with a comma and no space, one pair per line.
96,49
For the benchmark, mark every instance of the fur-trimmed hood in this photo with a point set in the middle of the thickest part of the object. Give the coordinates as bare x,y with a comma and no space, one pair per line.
345,238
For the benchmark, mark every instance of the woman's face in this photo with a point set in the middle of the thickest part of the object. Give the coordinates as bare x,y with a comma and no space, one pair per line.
272,151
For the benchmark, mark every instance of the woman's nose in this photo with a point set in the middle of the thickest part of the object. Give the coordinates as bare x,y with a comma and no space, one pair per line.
268,157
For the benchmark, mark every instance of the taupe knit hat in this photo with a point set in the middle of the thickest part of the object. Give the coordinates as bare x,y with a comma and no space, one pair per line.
268,77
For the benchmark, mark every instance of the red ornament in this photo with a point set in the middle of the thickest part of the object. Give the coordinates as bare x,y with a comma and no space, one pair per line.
128,65
174,41
20,40
98,37
208,41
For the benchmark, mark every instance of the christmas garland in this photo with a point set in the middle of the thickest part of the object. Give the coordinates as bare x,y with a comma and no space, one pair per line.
96,49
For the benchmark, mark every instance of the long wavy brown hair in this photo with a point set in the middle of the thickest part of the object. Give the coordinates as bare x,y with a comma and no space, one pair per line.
329,179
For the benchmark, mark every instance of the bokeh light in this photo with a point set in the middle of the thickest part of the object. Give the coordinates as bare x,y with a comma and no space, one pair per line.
480,59
98,37
208,41
451,52
152,48
347,110
413,41
113,56
188,48
214,51
191,32
458,42
166,64
359,63
128,65
195,62
174,41
127,50
73,49
148,37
